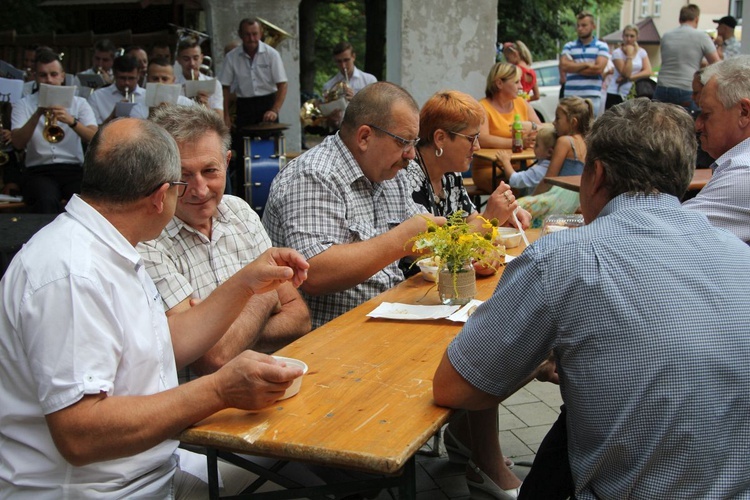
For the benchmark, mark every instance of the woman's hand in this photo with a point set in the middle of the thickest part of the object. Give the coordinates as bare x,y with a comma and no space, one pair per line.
501,204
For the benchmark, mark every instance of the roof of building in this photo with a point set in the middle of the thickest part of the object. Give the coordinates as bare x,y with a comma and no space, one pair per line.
648,34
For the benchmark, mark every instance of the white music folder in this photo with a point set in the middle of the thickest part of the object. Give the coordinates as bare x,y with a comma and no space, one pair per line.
192,87
157,93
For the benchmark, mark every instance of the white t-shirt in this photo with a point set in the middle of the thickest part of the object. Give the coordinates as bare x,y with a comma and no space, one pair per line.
619,55
83,319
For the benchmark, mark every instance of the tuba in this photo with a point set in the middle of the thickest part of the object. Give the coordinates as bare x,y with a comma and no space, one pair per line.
52,131
273,35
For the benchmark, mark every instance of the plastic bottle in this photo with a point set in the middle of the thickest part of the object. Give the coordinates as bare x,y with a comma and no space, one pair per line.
517,134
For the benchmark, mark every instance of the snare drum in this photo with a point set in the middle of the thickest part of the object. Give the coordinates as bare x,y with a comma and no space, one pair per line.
263,160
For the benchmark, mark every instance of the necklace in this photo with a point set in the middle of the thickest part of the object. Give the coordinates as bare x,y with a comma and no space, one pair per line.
437,198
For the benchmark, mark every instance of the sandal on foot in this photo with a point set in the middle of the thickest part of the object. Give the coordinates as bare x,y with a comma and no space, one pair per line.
487,487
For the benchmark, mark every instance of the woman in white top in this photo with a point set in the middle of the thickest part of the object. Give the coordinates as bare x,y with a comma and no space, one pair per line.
631,63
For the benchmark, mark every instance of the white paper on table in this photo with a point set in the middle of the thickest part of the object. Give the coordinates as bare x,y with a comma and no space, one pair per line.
508,258
395,310
11,90
157,93
329,107
462,315
192,87
6,198
56,95
123,108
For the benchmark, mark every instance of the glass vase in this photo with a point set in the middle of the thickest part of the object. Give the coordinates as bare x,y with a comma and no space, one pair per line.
457,288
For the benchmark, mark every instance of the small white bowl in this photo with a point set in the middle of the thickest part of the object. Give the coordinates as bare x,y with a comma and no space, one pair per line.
429,269
509,236
297,383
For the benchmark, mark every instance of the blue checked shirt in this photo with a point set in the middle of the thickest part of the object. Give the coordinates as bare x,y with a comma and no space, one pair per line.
321,199
583,85
647,310
726,198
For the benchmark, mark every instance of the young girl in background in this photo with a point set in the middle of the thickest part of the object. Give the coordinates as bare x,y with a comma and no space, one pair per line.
527,180
573,119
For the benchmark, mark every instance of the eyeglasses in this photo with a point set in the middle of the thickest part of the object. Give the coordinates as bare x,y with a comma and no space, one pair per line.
473,139
406,144
181,187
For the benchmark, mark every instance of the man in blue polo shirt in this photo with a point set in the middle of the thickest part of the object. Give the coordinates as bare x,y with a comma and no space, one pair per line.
583,61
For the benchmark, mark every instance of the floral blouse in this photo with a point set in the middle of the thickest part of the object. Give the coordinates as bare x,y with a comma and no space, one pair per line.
455,196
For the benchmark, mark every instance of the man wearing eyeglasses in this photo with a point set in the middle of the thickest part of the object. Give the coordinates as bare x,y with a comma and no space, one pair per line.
346,204
89,360
211,237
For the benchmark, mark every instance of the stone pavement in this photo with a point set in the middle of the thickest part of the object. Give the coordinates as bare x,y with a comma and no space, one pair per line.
524,420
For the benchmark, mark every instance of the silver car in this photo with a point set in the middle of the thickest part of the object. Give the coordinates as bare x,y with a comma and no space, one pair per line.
548,79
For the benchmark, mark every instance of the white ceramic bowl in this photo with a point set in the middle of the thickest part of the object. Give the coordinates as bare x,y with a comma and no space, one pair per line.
429,269
294,388
508,236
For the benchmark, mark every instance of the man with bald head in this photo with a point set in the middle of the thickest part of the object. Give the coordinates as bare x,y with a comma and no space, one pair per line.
346,204
88,358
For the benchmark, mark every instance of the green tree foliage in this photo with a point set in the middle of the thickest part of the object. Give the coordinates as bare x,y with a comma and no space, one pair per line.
545,25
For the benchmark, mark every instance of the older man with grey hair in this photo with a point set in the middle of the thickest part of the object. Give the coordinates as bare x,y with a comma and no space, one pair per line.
655,382
87,356
724,130
211,237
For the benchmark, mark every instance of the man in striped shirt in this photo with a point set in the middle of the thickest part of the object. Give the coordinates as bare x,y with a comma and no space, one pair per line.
583,61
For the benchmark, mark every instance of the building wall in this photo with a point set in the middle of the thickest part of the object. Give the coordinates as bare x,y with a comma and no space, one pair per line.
667,16
440,44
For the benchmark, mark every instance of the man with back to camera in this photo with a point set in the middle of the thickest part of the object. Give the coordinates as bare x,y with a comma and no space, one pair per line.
210,238
190,58
682,52
254,71
104,100
646,311
53,170
346,204
724,131
88,358
583,61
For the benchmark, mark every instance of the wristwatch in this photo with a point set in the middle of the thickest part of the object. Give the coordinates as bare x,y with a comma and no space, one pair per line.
75,123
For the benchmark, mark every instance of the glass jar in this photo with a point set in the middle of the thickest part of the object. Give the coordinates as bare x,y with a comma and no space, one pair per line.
457,288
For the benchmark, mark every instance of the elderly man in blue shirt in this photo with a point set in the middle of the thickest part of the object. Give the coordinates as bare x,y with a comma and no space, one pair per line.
646,311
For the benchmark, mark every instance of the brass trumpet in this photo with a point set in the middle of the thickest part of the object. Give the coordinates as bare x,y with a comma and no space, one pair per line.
52,131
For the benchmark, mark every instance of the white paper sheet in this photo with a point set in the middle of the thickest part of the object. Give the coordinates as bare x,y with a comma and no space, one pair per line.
395,310
11,90
157,93
462,315
123,109
56,95
192,87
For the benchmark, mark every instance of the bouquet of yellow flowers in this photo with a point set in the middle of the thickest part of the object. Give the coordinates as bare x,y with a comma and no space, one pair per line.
456,243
